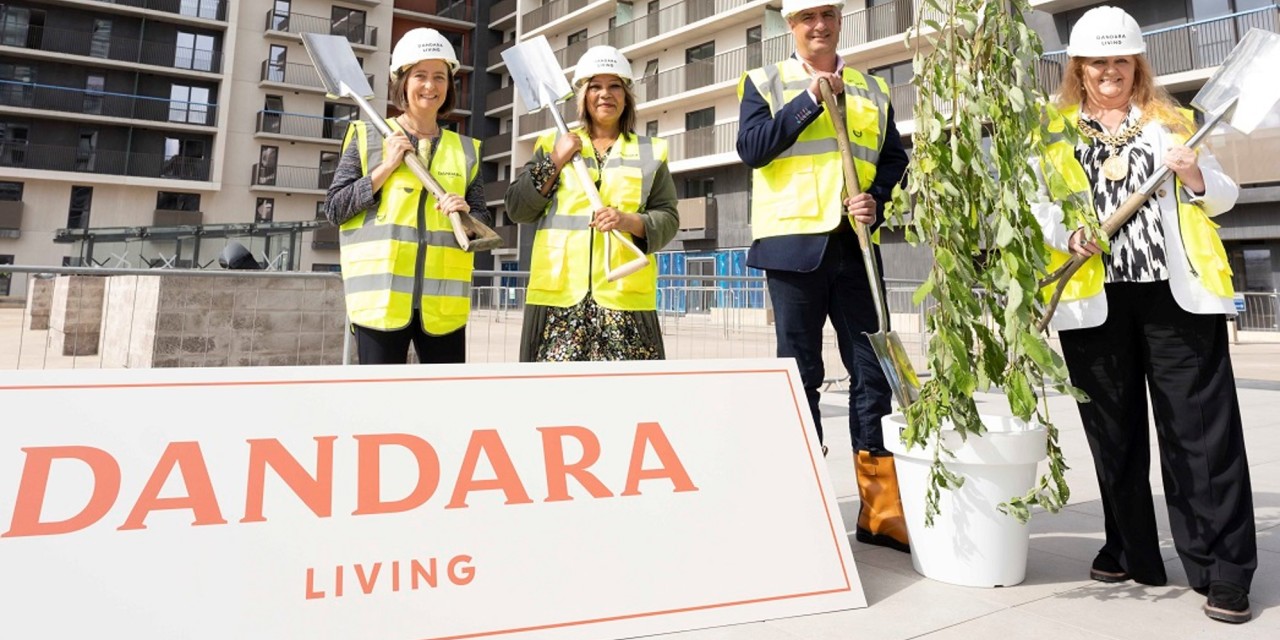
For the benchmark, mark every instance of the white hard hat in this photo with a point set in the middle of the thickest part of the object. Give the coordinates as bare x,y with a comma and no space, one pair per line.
792,7
601,59
421,44
1104,32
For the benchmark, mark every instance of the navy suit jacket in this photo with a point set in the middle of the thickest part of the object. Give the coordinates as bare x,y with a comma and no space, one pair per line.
762,136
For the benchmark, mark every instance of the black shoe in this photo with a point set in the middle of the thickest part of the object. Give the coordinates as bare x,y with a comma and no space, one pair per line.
1227,603
1107,569
880,540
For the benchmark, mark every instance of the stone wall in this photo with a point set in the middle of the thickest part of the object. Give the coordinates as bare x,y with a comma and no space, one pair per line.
39,302
75,314
202,321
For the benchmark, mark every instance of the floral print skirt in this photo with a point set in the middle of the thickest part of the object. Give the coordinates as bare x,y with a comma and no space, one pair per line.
588,331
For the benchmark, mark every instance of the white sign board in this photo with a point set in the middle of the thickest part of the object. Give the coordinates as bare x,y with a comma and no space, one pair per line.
471,501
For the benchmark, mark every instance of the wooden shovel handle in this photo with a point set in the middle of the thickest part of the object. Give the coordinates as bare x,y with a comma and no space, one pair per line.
485,237
593,195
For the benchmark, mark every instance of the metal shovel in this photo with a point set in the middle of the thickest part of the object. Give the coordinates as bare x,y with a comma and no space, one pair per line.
342,76
537,74
893,358
1242,92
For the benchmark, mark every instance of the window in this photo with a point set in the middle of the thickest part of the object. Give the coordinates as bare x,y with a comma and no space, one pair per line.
272,108
86,150
276,62
174,201
700,119
199,8
266,167
100,43
188,104
349,23
10,192
184,158
5,278
320,211
337,118
78,209
19,91
699,187
651,128
265,210
280,15
699,136
21,27
13,144
94,84
699,67
328,167
325,267
575,38
194,51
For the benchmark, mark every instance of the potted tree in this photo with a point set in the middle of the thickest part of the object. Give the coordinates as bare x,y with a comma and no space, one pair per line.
978,116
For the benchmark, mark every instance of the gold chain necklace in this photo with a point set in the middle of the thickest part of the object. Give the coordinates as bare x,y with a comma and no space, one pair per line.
1116,166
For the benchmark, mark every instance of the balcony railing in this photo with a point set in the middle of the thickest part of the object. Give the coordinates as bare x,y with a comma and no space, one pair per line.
1197,45
502,10
209,9
496,144
104,103
707,141
463,10
297,23
325,238
301,125
542,120
727,66
503,97
287,177
495,191
102,161
495,54
302,75
163,54
552,11
857,28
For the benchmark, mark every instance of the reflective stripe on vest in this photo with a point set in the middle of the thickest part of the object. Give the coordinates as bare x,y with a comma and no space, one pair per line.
568,255
382,249
800,191
1068,185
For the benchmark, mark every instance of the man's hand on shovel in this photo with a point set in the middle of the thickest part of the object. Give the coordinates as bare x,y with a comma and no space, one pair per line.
862,207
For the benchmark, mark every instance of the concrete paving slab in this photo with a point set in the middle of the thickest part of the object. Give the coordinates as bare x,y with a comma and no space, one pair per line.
1016,624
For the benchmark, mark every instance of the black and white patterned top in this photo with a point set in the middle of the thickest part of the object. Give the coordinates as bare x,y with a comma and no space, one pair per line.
1138,248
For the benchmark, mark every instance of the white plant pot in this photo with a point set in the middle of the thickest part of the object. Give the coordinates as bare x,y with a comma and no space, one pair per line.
971,542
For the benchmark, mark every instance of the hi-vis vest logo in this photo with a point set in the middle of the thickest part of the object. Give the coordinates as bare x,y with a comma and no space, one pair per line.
185,463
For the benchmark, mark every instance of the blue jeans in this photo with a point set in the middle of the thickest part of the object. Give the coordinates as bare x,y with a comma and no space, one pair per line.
838,290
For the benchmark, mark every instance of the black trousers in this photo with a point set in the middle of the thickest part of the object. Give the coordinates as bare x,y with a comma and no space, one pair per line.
1149,341
392,347
802,303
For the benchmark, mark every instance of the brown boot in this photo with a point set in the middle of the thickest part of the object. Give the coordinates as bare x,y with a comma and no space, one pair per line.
880,519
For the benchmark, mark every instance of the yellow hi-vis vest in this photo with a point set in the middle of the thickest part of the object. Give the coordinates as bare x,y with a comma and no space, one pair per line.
1069,185
800,191
568,256
405,251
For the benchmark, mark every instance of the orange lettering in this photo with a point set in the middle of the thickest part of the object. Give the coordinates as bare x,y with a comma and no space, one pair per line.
200,499
316,492
368,469
461,570
367,582
558,472
312,594
35,482
651,434
506,479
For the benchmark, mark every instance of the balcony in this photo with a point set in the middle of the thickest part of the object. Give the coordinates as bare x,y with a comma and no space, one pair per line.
102,161
541,120
298,125
161,54
460,10
858,28
510,234
495,192
1195,46
698,218
358,34
495,54
502,14
295,75
494,145
207,9
551,11
707,141
285,178
501,99
648,26
104,103
726,67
